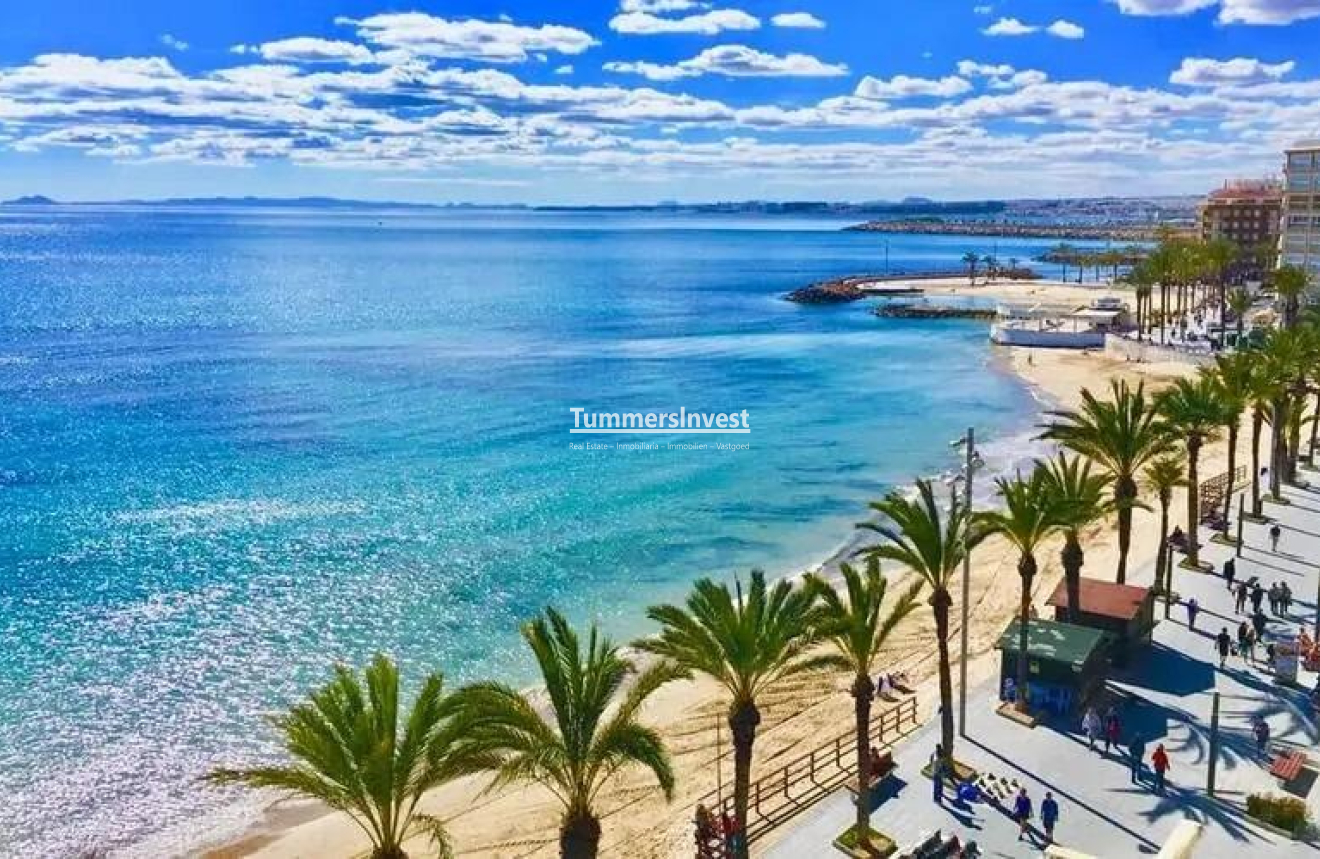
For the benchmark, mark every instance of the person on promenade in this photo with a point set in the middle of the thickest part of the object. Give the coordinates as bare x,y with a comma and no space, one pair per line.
729,825
1192,608
1261,729
1240,604
937,774
1022,813
1257,595
1159,762
1049,815
1259,622
1275,533
1092,727
1243,631
1230,572
1285,598
1222,644
1251,644
1273,598
1136,752
1112,729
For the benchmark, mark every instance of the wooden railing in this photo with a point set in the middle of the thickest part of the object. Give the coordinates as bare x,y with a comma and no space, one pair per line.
1216,488
803,781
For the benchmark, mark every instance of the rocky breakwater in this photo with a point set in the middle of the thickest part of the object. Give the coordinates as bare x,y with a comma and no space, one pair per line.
836,291
904,310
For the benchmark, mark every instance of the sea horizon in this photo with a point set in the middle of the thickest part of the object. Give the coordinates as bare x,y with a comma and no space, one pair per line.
244,445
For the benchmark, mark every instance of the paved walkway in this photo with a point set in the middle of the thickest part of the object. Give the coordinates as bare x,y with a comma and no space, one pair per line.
1166,696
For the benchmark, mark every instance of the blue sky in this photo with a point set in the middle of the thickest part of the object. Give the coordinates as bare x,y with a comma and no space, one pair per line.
640,100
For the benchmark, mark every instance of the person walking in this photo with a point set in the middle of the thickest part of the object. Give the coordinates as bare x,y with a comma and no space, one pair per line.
1285,597
1273,598
1275,533
937,774
1049,816
1092,727
1113,728
1261,729
1259,622
1136,753
1159,762
1243,632
1240,604
1251,644
1022,813
1192,608
1230,572
1222,643
1257,595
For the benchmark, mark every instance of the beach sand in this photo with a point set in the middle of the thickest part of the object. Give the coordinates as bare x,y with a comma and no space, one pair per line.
799,716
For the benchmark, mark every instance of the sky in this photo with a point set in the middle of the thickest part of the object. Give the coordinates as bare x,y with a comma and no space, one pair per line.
620,101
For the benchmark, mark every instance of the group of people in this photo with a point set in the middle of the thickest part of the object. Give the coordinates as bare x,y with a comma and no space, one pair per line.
717,836
887,686
1022,812
1109,730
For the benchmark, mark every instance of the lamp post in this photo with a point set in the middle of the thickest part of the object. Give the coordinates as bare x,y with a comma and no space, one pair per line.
970,445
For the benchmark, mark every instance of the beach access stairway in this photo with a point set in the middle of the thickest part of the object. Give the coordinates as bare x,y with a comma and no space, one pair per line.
793,786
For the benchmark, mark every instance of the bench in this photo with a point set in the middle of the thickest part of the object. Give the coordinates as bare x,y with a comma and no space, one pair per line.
878,775
1288,765
931,845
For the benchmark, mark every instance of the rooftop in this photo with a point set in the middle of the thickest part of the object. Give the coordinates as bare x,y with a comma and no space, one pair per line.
1106,599
1056,641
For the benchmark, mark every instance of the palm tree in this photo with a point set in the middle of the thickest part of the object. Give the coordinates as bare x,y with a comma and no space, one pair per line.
971,259
1120,435
1195,411
915,535
1219,255
1239,303
357,751
858,630
1290,283
1030,517
590,732
1162,477
1261,399
747,645
1080,498
1234,374
991,267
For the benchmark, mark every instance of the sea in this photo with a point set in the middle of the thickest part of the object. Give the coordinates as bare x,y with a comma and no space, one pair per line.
238,445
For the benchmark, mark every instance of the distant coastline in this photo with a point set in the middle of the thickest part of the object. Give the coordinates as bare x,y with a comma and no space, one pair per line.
999,229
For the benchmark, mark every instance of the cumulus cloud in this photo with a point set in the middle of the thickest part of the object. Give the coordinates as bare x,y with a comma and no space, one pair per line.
420,35
174,43
1009,27
707,23
304,49
1065,30
802,20
1203,72
565,69
1258,12
734,61
902,86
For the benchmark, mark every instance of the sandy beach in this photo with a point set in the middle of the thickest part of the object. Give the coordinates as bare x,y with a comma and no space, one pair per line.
797,717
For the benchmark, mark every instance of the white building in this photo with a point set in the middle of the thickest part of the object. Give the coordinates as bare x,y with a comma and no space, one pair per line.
1299,240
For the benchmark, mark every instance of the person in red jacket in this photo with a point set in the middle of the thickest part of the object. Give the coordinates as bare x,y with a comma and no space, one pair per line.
1159,761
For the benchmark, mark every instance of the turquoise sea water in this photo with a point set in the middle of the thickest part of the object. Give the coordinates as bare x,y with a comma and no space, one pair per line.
235,446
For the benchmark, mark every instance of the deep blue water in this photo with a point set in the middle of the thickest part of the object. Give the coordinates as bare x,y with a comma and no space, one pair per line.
235,446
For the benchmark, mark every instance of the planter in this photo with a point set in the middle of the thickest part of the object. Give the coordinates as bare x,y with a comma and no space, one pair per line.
1224,541
1277,830
881,846
1185,564
1010,711
961,772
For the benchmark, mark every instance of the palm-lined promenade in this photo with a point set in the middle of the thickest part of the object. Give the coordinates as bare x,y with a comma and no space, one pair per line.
755,660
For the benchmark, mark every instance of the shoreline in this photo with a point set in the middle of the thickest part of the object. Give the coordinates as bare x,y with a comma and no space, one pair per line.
521,821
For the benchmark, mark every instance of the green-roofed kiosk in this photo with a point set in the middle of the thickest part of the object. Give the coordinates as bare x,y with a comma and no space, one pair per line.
1065,663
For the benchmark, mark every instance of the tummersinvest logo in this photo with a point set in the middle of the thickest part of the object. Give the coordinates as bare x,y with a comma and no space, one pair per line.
667,423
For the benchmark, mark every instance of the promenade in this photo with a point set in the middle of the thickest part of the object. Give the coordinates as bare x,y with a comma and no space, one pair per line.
1166,696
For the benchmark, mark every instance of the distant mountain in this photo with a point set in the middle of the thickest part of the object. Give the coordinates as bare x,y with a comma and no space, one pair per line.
30,200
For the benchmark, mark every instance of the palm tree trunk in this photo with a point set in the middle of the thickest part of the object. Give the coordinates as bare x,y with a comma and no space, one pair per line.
1162,576
1257,424
1295,437
743,720
1027,572
579,836
1164,316
1232,467
1278,445
1073,558
1125,492
1315,430
941,602
1193,502
863,691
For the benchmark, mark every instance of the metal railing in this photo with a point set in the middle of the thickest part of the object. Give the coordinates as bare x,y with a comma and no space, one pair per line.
793,787
1214,491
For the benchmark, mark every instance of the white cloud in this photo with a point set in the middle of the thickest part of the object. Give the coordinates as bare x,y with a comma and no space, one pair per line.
1259,12
802,20
565,69
1203,72
734,61
1065,30
1009,27
973,69
305,49
174,43
704,23
902,86
660,6
983,10
421,35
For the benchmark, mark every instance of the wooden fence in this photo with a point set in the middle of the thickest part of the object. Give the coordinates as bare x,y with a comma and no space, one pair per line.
1214,490
795,786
